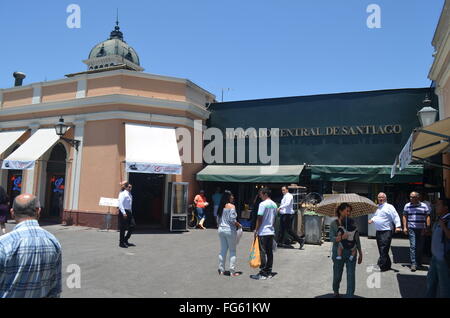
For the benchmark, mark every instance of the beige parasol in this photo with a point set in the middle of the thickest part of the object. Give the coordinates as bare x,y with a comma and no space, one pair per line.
360,205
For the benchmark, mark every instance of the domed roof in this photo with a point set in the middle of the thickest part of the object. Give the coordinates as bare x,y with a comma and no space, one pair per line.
115,45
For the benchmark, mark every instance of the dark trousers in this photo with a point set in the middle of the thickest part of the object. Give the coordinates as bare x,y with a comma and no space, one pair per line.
266,252
384,239
126,225
286,221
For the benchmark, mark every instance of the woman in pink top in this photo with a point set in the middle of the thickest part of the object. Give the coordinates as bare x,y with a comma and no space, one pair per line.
200,205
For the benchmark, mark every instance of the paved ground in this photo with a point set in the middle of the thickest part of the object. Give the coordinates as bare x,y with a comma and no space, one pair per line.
185,265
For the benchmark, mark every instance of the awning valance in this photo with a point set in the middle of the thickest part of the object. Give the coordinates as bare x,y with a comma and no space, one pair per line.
251,174
8,138
365,173
24,158
151,150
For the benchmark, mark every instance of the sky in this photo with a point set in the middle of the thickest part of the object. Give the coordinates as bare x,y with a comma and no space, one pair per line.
247,49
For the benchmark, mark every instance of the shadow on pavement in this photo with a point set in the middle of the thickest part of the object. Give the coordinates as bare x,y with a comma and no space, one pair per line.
400,254
412,286
155,231
332,296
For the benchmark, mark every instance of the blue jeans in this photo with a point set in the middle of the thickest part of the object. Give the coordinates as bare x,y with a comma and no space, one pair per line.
227,242
338,269
438,279
200,213
416,241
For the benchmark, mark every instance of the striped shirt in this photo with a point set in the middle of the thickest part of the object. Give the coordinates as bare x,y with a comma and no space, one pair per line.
416,215
228,220
30,263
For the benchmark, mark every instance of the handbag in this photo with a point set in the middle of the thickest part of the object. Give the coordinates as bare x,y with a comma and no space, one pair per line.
255,256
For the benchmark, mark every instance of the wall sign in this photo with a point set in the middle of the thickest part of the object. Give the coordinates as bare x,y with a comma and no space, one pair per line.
317,131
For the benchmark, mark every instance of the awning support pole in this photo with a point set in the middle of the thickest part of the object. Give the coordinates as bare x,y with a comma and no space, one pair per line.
434,134
427,146
444,166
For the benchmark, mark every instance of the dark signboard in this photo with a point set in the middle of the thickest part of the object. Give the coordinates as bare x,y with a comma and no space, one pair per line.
361,128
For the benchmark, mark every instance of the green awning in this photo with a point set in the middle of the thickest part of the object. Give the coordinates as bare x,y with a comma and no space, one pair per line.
366,174
251,174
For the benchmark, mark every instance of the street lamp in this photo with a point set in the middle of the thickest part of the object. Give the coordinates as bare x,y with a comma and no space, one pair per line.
61,129
427,115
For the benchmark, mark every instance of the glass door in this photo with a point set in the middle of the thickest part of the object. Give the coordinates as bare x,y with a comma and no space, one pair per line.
178,205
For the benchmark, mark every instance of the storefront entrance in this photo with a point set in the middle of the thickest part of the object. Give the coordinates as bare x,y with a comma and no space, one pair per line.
148,198
55,184
14,184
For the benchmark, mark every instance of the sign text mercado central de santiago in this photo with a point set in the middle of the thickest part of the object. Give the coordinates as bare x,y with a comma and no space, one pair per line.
315,131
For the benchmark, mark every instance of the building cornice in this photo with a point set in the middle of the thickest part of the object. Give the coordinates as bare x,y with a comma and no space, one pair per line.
437,69
110,74
443,24
441,43
106,100
175,121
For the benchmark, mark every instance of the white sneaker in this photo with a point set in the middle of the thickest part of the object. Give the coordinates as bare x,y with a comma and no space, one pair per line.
258,277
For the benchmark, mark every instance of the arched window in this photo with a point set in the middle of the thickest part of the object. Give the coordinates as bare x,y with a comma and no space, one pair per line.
57,160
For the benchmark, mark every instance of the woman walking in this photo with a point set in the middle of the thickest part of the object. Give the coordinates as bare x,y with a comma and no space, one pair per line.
227,233
200,205
343,213
4,209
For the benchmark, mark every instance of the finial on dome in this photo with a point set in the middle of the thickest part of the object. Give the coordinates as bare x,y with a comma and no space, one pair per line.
116,34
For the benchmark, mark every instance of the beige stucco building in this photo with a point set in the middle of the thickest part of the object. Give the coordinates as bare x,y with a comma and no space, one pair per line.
440,74
98,104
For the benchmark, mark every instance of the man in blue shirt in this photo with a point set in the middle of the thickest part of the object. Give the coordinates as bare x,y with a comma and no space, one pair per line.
416,221
30,257
438,278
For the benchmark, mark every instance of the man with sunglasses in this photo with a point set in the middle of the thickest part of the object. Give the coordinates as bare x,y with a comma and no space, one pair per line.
416,221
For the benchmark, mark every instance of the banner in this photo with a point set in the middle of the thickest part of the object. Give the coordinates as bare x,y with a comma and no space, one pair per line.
405,157
394,167
153,168
18,165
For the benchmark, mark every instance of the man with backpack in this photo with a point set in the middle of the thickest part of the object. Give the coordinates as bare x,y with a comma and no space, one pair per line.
438,278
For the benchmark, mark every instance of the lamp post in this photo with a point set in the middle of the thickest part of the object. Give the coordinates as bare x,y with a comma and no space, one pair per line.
427,115
61,129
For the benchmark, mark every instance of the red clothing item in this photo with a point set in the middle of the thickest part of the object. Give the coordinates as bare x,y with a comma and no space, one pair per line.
200,201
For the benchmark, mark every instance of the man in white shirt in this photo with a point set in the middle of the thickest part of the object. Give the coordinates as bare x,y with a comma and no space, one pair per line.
126,218
287,214
385,218
265,230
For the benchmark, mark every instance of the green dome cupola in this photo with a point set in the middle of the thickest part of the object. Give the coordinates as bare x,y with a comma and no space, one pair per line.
113,52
